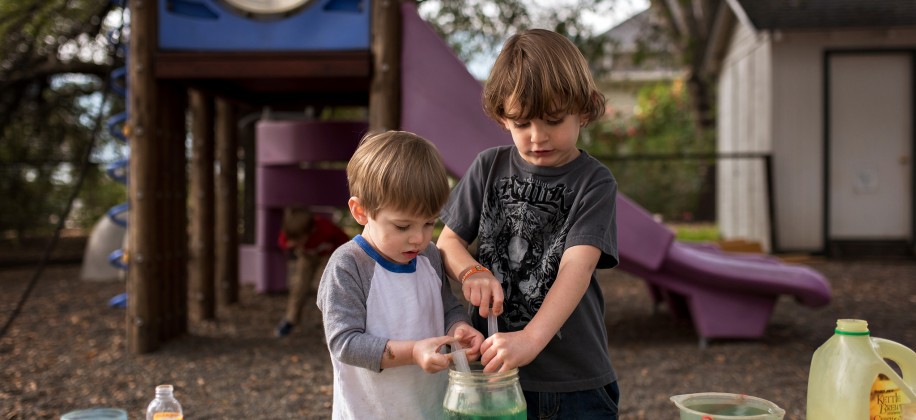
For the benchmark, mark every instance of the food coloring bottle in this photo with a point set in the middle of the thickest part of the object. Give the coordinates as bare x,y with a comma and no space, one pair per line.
164,406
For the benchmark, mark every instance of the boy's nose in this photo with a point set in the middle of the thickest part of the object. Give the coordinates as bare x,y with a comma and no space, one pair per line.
538,132
415,237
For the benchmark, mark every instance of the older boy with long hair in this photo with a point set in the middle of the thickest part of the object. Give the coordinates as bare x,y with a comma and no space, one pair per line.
543,213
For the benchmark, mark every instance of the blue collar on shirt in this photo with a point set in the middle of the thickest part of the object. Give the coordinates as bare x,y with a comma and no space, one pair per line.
388,265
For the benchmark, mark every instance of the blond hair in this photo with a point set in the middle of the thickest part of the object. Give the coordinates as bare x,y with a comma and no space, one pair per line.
398,170
544,74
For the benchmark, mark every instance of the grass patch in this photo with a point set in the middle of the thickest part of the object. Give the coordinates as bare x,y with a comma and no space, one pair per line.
696,232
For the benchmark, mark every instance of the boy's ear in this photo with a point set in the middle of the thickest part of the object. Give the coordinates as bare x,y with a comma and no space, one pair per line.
583,120
358,211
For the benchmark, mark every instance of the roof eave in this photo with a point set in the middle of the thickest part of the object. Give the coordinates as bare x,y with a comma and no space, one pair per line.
722,30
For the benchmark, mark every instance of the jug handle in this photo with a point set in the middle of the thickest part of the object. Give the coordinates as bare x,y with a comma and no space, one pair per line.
905,358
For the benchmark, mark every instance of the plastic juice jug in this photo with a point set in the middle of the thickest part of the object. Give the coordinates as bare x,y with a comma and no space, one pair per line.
484,396
850,379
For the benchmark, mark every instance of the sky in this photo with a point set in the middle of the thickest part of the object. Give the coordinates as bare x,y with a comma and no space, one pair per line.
623,9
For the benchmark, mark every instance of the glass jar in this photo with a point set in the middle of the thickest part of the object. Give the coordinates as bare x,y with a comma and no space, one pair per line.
481,396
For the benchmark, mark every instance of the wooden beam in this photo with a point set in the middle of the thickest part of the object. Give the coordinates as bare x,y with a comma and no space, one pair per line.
385,89
227,213
202,291
262,65
292,94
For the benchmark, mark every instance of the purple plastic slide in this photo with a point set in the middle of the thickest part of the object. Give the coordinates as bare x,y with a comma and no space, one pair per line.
725,295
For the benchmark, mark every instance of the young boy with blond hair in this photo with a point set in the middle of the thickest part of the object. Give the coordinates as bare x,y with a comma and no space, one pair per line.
385,299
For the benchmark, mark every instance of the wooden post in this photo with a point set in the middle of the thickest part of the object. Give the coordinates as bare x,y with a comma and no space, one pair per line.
201,290
385,89
227,212
142,316
249,163
174,220
157,222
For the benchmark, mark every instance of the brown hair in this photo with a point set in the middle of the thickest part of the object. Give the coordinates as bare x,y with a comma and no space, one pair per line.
398,170
544,74
297,222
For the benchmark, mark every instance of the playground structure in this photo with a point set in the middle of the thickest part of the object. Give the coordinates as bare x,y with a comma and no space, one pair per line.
224,64
410,80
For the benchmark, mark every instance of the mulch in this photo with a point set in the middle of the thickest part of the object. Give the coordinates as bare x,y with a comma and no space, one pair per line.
67,349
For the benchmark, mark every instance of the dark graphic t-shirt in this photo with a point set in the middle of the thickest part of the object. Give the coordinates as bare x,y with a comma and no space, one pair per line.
524,217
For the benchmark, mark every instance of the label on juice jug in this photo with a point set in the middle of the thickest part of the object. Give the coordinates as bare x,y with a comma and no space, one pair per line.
886,400
909,411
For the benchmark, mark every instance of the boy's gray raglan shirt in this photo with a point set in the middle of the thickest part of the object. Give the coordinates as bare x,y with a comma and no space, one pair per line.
524,217
366,300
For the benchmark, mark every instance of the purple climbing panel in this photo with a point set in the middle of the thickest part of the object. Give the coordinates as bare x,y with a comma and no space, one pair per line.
287,152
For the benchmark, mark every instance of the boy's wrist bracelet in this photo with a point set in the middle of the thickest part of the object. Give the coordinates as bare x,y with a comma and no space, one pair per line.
468,272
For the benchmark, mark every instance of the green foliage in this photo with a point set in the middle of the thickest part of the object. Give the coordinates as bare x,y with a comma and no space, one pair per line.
653,154
54,56
95,201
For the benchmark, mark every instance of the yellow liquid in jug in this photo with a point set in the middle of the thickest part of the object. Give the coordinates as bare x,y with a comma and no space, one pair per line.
167,416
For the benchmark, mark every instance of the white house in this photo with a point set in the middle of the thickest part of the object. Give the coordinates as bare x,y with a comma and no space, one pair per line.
637,55
827,89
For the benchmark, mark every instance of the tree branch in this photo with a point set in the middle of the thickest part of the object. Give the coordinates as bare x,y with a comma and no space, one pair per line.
53,66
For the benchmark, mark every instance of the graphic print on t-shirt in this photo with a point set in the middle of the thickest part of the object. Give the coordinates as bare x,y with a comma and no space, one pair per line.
523,229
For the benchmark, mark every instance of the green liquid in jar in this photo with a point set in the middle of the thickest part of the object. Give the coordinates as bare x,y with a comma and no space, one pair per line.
517,415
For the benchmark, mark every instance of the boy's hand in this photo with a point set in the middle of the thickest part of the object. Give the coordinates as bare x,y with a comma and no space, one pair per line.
469,338
482,289
505,351
426,353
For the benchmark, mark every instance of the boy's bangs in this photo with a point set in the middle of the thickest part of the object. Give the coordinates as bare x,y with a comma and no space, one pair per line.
410,204
420,197
538,96
524,107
